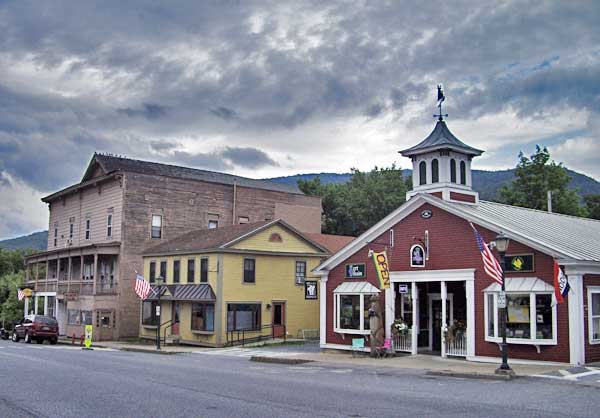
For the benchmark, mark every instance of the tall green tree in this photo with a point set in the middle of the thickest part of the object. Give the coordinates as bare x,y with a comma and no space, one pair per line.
11,309
353,207
534,177
592,204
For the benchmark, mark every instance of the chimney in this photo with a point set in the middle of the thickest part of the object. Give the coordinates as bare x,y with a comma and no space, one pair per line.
549,201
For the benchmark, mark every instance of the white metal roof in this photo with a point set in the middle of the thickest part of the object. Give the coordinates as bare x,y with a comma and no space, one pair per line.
521,284
356,287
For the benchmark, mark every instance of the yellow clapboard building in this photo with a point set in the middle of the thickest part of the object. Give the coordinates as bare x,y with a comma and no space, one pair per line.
219,286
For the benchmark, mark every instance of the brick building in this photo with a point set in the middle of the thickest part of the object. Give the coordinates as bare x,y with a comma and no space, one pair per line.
99,228
439,288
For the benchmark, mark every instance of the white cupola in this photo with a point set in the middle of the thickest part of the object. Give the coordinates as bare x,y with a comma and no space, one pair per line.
442,166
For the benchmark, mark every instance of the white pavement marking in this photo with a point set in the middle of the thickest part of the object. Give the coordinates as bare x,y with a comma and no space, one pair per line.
578,375
246,352
564,372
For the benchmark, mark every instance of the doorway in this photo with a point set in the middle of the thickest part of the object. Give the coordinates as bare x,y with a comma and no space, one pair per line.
175,317
278,319
435,319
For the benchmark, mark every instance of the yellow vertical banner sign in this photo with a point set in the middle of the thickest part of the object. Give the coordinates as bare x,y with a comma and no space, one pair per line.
383,271
88,336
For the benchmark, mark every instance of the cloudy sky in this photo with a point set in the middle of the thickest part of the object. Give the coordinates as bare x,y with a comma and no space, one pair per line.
264,89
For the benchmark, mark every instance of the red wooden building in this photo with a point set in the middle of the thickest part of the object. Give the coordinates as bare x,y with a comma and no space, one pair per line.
438,285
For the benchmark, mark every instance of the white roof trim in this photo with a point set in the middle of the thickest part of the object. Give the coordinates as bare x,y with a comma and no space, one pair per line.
356,288
522,284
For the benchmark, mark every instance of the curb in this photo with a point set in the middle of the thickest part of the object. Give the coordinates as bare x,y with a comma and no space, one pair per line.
141,350
279,360
467,375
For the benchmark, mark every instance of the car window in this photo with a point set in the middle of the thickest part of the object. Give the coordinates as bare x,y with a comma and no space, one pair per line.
46,320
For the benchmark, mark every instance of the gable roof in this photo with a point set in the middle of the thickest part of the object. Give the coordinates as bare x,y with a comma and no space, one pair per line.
333,243
110,163
220,238
567,238
440,138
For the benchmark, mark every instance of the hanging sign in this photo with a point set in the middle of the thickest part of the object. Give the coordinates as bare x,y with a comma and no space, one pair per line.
310,290
403,289
417,256
27,292
501,300
382,268
88,336
356,271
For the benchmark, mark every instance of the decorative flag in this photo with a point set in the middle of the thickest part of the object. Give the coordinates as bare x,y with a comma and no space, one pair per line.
383,271
441,96
490,264
142,287
20,294
561,284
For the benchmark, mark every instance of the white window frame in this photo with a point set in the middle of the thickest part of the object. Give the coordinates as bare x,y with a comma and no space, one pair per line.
213,224
591,290
532,320
336,316
296,277
152,226
109,225
88,227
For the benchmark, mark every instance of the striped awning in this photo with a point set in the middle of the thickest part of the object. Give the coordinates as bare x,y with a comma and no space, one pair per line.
356,288
185,292
522,284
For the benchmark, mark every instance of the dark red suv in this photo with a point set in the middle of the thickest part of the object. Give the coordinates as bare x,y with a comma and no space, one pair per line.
36,327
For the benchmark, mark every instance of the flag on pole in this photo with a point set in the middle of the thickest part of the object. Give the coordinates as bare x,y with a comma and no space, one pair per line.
490,264
142,287
20,294
561,284
441,96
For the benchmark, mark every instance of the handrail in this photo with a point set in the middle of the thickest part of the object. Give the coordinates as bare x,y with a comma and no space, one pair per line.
170,324
231,333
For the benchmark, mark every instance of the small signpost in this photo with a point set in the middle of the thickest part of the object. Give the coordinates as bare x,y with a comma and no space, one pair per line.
502,300
88,337
310,290
403,289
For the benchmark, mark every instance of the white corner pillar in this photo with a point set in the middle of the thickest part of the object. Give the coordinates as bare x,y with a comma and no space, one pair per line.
470,296
390,310
415,319
45,305
26,307
323,310
444,291
576,321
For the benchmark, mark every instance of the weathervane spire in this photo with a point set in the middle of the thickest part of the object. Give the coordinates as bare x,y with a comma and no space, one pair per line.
440,99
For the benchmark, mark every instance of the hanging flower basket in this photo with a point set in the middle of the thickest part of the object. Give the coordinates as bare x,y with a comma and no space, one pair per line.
399,328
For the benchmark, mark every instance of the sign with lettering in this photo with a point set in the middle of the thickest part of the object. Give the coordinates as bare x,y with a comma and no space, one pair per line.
88,336
417,256
310,290
356,271
382,268
403,289
501,300
521,263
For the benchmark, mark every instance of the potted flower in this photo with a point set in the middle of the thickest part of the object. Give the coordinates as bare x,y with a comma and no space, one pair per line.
399,328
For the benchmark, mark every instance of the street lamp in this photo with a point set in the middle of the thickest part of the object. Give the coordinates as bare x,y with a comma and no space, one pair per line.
159,282
502,242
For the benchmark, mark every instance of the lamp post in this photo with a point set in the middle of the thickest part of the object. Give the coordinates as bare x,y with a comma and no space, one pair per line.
159,282
502,242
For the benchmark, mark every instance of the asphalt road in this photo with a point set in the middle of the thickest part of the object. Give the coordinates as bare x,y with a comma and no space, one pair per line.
61,381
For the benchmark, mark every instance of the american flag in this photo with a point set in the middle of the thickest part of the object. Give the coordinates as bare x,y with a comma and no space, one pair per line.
142,287
490,264
20,294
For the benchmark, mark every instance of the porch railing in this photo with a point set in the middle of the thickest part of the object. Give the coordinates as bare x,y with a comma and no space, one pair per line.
457,345
403,342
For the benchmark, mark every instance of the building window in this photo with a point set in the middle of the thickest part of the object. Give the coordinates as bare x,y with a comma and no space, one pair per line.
453,170
149,316
55,234
531,317
594,314
243,316
109,225
300,272
435,171
71,229
87,228
176,268
156,226
86,317
190,270
74,317
163,271
243,220
422,173
203,270
463,173
249,270
203,317
391,237
213,224
352,313
152,277
104,319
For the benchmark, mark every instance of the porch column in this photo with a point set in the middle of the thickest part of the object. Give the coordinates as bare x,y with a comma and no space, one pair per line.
390,308
323,309
576,321
470,296
415,318
80,265
47,269
26,308
58,268
69,267
45,305
35,305
95,272
444,292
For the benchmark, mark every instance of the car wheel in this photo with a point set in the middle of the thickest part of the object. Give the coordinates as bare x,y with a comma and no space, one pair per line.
53,340
27,338
15,337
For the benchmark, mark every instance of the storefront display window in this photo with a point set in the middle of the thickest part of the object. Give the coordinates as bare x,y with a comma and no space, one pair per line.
203,317
149,316
594,314
352,313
